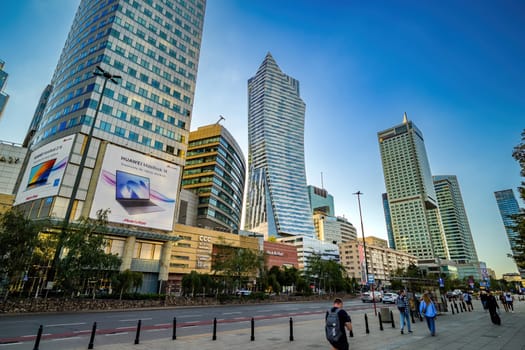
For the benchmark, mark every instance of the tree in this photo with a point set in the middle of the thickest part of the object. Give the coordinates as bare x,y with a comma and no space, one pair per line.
18,238
519,219
235,264
84,259
126,280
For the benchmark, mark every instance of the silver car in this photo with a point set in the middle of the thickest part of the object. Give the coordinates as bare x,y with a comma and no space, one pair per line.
390,298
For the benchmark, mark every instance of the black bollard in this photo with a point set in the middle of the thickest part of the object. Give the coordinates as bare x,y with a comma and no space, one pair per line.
392,318
214,336
412,317
452,308
461,307
174,335
252,337
137,335
38,337
380,322
366,324
291,329
456,307
464,306
92,338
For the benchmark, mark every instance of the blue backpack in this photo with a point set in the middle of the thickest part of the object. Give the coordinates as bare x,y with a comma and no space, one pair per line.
333,326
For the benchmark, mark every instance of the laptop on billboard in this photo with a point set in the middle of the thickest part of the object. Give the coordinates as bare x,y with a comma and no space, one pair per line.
133,193
40,173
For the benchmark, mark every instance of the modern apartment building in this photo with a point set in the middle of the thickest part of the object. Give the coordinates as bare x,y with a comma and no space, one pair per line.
277,199
307,247
215,170
348,231
414,213
328,229
508,206
4,97
321,201
382,261
456,226
11,159
134,162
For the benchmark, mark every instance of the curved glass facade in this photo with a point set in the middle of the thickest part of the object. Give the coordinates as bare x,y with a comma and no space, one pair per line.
277,199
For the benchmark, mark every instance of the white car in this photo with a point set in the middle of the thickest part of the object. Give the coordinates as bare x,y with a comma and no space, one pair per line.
390,298
367,297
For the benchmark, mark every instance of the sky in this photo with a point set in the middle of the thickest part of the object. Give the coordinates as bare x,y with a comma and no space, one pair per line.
455,67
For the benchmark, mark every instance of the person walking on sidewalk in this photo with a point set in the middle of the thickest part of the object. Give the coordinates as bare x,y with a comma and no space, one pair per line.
428,309
492,305
337,321
504,302
404,311
509,299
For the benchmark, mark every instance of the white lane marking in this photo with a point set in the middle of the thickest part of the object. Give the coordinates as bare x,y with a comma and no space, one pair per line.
161,324
136,319
19,343
65,324
83,331
185,316
112,334
232,313
189,326
156,330
265,310
32,335
60,339
123,327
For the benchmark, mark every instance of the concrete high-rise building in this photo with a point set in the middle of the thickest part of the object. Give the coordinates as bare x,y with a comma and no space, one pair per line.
277,199
508,206
416,223
215,170
388,221
456,226
348,231
135,158
328,229
4,97
11,159
321,201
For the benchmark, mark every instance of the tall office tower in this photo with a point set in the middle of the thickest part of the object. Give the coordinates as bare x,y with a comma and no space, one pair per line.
321,201
348,231
37,116
508,206
388,220
327,228
3,81
133,164
416,223
456,225
277,200
215,170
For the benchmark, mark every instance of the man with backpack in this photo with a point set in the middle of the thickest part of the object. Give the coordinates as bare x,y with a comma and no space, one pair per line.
337,320
403,307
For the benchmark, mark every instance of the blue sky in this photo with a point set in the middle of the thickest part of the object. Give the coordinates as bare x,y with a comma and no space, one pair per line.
455,67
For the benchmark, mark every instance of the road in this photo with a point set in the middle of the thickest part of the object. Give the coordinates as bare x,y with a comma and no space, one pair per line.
68,330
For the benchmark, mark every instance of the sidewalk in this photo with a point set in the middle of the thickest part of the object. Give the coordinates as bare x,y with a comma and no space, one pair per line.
467,330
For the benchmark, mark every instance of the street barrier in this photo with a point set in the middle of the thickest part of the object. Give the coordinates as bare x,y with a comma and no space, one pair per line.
38,337
392,318
252,337
366,324
137,335
174,335
380,322
214,336
291,329
92,338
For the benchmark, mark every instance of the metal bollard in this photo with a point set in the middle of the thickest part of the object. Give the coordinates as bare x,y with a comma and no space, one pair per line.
452,308
380,322
291,329
38,337
214,336
456,306
392,318
412,317
252,337
137,335
366,324
92,338
174,335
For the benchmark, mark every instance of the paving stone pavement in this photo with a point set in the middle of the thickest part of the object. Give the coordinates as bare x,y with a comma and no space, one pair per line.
465,331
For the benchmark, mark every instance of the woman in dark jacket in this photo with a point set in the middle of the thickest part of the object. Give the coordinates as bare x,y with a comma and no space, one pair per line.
492,305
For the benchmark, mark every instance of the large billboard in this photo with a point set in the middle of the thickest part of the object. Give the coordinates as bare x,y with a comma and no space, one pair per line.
44,171
138,190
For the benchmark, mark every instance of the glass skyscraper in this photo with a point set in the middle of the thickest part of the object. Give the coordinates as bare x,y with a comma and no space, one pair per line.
4,97
414,214
277,200
508,206
388,221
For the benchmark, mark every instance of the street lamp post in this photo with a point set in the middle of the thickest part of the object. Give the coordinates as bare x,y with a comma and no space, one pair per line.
99,72
358,194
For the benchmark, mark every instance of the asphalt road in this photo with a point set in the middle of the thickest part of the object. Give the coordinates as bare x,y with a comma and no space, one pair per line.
68,330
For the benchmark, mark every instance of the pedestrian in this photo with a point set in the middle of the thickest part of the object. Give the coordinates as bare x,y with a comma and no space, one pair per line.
483,298
467,298
337,322
403,307
509,299
503,302
492,305
428,309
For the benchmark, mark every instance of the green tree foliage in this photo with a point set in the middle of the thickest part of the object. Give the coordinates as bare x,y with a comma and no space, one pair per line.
328,275
126,280
519,251
18,238
236,265
84,259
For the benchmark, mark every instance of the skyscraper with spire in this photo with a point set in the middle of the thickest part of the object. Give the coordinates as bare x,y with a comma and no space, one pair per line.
277,200
415,218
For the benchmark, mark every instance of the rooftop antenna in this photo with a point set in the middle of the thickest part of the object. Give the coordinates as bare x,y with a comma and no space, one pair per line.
221,118
322,183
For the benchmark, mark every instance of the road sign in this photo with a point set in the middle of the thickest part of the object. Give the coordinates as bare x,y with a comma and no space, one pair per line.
370,278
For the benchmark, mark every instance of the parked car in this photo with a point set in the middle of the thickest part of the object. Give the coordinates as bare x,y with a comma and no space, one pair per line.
367,297
243,292
390,298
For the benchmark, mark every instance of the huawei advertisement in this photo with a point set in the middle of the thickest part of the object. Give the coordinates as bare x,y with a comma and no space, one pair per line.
138,190
44,171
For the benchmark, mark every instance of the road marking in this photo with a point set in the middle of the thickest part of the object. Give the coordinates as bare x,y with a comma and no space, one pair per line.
136,319
156,330
239,318
65,324
220,319
185,316
190,325
161,324
83,331
265,310
123,327
32,335
60,339
232,313
8,344
112,334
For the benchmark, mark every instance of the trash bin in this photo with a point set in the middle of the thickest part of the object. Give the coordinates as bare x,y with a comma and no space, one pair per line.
385,314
